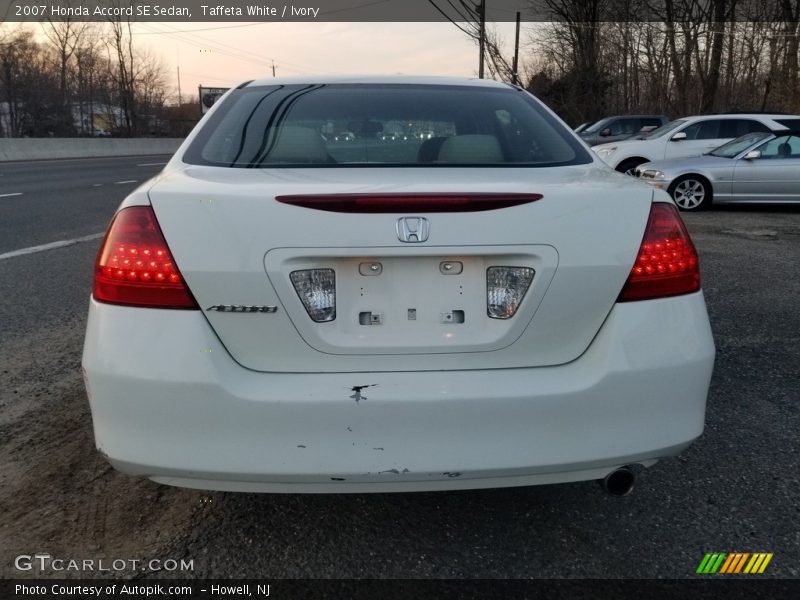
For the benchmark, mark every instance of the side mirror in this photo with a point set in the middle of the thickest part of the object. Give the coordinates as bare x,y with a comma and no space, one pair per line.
678,137
752,155
606,132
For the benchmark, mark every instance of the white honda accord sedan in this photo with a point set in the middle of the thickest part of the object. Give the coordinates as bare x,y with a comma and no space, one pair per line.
473,301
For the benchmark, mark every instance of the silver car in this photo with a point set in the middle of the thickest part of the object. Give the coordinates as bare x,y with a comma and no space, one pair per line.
756,167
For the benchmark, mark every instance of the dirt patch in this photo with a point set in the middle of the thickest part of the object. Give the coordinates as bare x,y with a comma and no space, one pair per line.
58,496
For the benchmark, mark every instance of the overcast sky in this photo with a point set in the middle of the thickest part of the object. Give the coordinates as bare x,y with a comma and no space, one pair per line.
224,54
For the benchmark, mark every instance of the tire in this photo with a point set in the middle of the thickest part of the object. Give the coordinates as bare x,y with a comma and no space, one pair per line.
691,192
628,166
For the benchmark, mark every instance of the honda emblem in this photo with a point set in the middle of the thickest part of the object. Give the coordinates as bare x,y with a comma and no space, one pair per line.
412,229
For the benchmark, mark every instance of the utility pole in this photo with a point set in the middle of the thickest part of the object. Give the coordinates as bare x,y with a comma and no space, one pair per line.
482,37
179,87
273,68
516,54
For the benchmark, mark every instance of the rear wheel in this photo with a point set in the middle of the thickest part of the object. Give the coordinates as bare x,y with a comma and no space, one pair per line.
629,166
691,192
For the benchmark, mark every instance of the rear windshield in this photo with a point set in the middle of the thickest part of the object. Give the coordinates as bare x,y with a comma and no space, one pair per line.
382,125
789,123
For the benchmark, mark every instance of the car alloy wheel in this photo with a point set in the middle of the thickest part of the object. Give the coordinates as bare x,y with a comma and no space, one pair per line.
690,193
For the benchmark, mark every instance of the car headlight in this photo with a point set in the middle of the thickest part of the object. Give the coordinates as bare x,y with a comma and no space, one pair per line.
604,153
652,174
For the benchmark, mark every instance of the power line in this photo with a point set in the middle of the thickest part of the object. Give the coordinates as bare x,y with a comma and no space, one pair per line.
232,51
214,28
446,16
458,12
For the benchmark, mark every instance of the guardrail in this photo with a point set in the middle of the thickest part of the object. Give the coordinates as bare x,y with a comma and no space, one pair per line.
50,148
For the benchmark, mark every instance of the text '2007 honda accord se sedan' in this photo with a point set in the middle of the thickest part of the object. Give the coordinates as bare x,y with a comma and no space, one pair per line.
393,284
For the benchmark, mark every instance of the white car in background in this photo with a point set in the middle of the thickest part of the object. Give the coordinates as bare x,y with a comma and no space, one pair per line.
489,307
689,136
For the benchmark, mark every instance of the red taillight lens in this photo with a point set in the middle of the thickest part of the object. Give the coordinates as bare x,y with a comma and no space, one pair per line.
135,267
667,261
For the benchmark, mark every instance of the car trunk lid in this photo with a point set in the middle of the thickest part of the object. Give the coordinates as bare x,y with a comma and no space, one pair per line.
400,304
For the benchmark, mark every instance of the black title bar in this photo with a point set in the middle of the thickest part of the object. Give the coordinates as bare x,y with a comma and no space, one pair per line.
203,11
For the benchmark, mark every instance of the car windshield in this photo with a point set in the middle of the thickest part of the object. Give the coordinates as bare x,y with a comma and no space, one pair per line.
599,126
738,145
663,130
343,125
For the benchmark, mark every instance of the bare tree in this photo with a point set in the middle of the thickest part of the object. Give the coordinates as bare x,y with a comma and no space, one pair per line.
666,56
465,14
64,37
89,69
790,16
150,88
27,86
120,42
78,71
573,42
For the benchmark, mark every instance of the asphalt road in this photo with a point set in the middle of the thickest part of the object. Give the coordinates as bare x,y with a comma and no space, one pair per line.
736,489
47,201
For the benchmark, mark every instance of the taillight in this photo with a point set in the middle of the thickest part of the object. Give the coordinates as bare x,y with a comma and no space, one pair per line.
135,267
667,262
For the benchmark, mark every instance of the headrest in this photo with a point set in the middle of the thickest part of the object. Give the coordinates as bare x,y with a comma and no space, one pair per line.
470,149
298,145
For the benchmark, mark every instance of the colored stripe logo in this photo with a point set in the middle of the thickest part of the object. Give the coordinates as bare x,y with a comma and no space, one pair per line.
734,563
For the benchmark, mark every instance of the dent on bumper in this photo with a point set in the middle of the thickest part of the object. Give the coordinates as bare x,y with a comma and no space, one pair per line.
172,405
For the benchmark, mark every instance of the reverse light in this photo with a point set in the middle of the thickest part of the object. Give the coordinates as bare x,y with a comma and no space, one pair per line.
317,291
667,263
134,266
505,289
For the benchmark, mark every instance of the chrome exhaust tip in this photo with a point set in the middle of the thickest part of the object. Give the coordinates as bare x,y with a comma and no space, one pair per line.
619,482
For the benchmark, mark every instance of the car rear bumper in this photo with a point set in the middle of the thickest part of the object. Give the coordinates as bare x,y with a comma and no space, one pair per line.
169,403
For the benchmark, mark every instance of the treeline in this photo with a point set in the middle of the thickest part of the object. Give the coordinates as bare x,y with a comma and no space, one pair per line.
676,57
83,79
594,58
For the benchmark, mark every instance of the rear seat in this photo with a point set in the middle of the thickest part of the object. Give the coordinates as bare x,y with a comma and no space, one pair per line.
429,150
298,145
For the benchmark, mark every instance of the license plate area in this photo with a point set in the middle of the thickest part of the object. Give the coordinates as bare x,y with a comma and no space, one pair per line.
410,301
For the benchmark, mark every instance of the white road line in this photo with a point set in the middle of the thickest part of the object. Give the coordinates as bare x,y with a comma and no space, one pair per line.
97,185
14,194
51,246
126,181
151,164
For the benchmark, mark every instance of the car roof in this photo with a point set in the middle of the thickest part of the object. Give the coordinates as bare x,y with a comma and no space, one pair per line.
771,116
378,79
637,115
783,132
